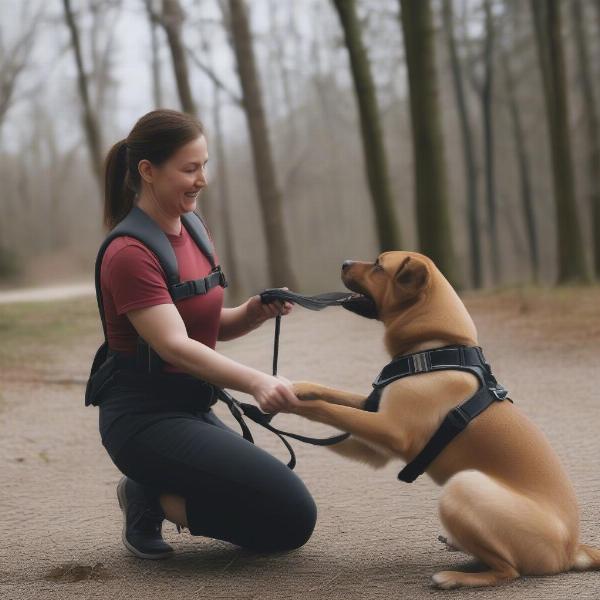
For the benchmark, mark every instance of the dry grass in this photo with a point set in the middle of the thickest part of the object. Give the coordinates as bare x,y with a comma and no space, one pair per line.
37,336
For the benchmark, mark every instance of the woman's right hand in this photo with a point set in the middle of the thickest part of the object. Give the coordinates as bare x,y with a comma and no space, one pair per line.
275,394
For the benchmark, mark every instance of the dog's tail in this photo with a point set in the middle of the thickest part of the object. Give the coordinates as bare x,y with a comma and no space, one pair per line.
586,558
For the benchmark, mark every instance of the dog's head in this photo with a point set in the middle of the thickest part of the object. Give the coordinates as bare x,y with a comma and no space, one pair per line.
408,293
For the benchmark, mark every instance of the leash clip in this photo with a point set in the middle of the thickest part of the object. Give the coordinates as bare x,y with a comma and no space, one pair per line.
499,393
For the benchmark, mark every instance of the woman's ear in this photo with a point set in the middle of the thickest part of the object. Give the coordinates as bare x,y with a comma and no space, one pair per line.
411,277
145,170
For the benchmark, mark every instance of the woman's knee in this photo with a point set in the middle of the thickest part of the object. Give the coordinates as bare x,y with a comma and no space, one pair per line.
291,526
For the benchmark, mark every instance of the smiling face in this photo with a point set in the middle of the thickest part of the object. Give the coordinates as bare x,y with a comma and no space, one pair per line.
412,298
177,183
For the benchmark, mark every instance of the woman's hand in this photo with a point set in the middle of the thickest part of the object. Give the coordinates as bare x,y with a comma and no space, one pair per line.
257,312
275,394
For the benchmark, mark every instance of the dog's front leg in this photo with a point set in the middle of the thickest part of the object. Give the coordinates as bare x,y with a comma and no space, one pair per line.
306,390
370,426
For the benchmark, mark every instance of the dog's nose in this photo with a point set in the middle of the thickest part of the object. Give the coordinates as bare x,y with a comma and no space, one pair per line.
346,264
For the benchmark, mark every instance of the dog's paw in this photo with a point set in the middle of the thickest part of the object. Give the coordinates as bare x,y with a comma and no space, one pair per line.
305,390
446,580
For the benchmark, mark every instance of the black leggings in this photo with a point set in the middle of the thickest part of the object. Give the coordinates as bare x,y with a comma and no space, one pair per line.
233,490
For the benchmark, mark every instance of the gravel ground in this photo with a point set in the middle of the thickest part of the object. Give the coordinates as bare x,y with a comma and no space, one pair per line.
375,537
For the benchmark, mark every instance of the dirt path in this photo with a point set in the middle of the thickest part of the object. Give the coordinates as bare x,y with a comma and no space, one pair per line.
43,294
375,537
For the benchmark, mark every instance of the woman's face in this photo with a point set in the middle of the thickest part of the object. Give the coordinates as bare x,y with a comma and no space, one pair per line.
178,181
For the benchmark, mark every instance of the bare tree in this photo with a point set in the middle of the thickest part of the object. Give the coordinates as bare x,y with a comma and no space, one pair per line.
90,120
592,125
230,261
172,19
521,152
269,193
468,148
487,98
151,11
547,21
372,136
433,220
14,60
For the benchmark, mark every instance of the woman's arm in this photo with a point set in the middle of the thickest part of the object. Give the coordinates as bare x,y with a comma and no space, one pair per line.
242,319
163,329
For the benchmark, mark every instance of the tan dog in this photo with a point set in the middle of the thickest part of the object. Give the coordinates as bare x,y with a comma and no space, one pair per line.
506,499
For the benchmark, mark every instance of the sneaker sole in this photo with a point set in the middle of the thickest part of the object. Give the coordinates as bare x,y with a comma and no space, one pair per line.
123,506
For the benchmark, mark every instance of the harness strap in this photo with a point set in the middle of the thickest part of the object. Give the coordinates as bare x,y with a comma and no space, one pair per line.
195,287
454,423
455,357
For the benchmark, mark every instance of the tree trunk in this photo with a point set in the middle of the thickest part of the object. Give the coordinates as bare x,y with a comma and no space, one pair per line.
155,45
524,169
433,220
90,123
571,260
172,20
230,262
278,255
372,135
487,97
469,153
592,126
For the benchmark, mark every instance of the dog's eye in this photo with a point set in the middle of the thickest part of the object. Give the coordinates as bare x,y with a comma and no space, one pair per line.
377,266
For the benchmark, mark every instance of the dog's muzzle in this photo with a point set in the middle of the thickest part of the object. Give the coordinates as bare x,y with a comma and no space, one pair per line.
362,305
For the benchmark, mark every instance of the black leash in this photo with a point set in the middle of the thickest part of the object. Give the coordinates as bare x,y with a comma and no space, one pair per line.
353,302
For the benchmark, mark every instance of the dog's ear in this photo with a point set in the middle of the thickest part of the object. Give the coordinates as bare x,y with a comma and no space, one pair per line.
411,277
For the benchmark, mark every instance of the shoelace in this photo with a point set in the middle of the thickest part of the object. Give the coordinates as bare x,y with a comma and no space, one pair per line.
151,517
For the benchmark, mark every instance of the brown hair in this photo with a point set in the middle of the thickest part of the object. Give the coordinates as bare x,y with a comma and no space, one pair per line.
155,137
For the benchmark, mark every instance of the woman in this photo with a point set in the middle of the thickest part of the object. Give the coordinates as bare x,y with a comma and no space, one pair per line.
179,460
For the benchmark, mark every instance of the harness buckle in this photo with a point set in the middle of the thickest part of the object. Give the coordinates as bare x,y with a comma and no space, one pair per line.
420,363
499,392
222,279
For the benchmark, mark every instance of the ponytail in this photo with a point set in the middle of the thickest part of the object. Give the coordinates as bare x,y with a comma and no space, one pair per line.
118,195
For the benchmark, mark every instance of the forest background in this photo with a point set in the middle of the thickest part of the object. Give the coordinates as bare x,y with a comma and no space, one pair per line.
465,129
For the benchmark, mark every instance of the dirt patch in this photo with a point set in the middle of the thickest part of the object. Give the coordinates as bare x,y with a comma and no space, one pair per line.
74,572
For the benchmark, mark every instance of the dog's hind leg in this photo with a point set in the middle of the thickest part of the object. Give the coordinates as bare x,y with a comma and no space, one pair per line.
506,530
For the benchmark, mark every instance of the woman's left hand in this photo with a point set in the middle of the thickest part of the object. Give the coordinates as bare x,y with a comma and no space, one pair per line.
257,312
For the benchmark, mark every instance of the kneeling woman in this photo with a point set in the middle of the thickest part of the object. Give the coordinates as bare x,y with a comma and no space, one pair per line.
179,460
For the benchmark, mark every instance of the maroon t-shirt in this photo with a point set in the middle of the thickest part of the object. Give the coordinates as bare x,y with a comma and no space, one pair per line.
131,277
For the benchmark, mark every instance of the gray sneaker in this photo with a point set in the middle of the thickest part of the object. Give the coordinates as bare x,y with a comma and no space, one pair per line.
142,521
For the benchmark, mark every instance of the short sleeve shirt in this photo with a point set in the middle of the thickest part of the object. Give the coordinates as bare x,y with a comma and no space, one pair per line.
131,277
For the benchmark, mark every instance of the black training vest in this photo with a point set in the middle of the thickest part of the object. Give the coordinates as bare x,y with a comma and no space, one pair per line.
137,224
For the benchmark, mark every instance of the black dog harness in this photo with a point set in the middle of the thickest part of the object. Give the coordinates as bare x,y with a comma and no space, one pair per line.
459,358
